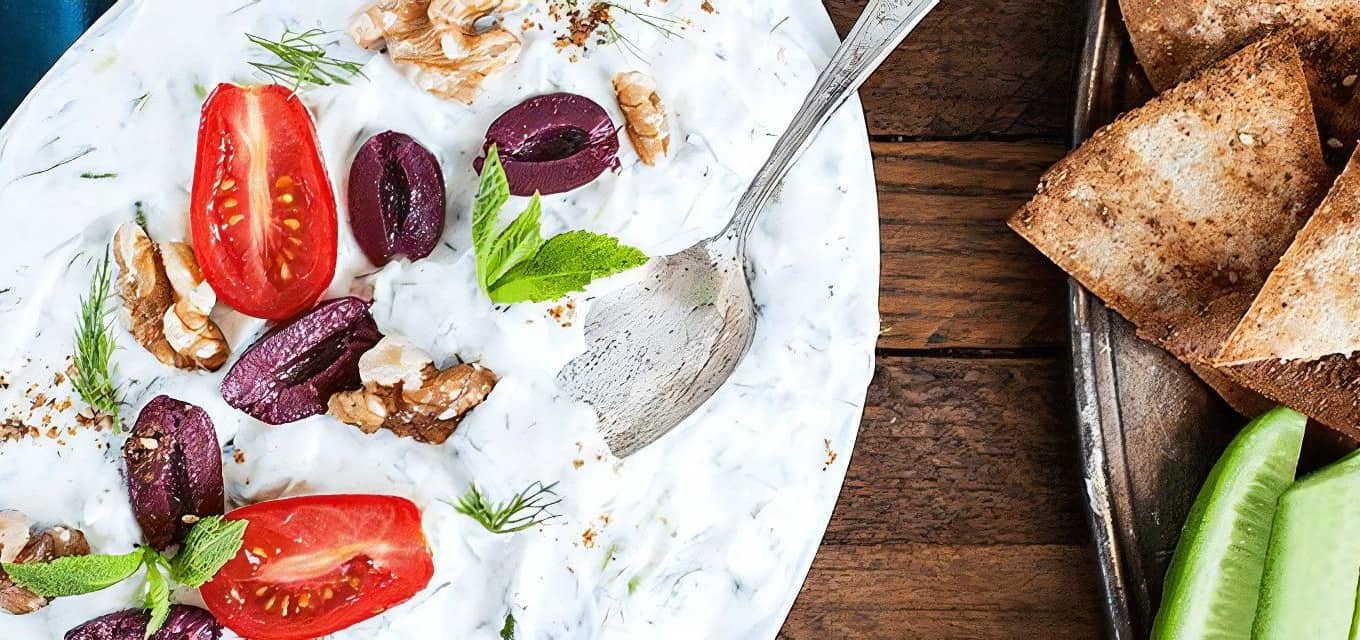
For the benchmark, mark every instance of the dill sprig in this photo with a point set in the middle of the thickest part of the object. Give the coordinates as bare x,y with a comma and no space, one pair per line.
94,370
303,60
529,508
601,19
666,25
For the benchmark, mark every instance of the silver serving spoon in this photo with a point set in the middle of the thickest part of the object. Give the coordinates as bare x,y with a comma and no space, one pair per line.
658,350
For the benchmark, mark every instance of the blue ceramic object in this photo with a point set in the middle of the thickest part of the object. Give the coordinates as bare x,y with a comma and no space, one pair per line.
33,34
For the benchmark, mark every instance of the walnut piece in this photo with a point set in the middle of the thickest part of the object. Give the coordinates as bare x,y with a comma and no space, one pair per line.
186,323
56,542
405,393
647,126
445,45
167,301
14,526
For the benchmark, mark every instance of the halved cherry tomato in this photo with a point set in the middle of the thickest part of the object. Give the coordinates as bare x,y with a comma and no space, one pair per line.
313,565
262,211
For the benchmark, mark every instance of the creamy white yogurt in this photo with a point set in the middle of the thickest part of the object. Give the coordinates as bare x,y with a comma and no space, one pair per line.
707,534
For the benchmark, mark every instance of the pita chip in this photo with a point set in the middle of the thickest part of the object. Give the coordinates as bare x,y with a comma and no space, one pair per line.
1310,305
1176,38
1175,214
1326,389
1297,343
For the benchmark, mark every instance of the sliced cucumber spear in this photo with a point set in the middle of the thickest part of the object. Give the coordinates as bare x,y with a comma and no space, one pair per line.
1215,576
1313,565
1355,619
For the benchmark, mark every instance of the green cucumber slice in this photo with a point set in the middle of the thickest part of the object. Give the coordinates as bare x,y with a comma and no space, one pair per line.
1313,565
1215,576
1355,618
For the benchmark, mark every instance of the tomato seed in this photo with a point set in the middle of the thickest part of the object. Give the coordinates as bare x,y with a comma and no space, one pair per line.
230,203
269,604
292,223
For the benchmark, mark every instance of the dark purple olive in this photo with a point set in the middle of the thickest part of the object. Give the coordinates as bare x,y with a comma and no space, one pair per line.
396,198
184,623
553,144
293,371
174,469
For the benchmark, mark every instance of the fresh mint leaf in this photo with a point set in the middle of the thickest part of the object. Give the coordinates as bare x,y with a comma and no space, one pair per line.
517,265
565,264
74,575
491,197
157,599
210,544
519,242
508,630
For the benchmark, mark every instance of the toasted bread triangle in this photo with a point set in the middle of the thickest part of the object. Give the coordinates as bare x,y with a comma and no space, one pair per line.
1310,305
1175,214
1326,389
1176,38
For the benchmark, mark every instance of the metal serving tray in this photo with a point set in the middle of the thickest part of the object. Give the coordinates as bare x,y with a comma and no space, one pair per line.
1150,430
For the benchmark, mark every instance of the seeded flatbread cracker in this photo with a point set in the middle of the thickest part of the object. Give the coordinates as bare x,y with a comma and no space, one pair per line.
1326,389
1175,214
1296,344
1176,38
1310,305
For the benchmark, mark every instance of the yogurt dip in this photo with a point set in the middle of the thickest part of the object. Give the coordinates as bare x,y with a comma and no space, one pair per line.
708,533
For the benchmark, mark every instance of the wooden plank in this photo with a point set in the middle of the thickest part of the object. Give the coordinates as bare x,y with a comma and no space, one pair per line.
954,276
891,592
964,451
961,516
976,68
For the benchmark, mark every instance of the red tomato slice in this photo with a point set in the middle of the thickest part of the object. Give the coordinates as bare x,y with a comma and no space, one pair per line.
262,211
314,565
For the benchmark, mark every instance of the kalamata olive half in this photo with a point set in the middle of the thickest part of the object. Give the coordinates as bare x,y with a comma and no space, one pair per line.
553,143
293,371
396,198
185,623
174,469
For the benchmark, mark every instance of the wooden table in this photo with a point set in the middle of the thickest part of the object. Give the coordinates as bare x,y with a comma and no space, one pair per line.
962,515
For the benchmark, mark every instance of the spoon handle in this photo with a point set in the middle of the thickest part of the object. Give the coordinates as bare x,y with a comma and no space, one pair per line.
883,25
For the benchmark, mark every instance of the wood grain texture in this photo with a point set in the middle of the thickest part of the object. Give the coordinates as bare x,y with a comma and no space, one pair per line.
976,69
944,592
954,276
964,451
961,516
